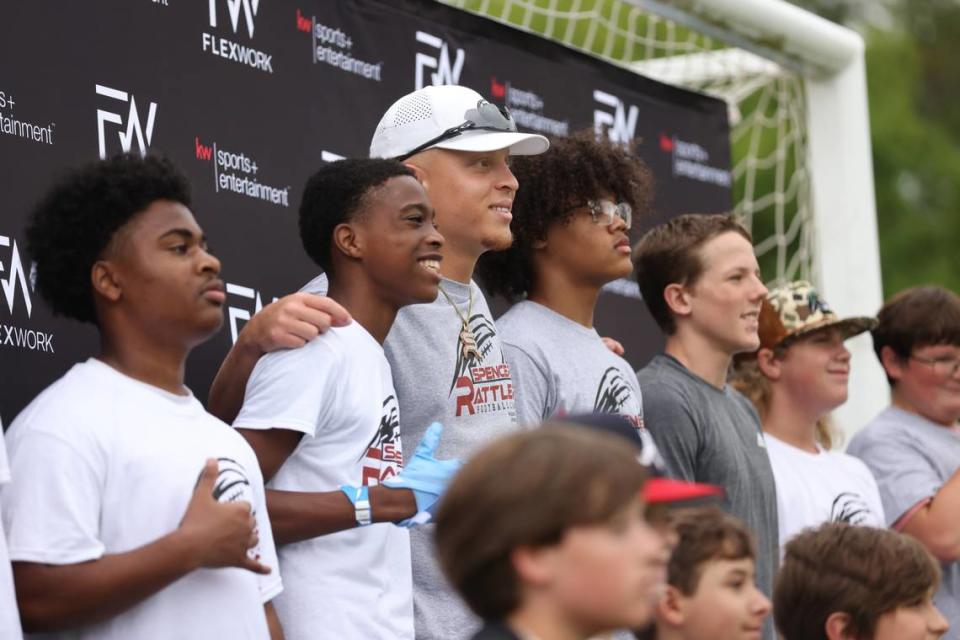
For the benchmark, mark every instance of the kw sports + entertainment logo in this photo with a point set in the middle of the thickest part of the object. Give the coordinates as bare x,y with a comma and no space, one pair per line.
238,314
17,287
235,172
13,126
692,161
135,131
619,123
334,47
527,108
228,49
439,59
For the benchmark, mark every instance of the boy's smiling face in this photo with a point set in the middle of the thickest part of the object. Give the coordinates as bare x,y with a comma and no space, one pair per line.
401,244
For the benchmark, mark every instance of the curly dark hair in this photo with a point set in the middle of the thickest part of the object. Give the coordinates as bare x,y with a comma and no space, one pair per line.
334,195
72,225
575,169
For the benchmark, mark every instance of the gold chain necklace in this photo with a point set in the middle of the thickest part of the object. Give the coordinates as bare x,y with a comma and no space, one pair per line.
468,342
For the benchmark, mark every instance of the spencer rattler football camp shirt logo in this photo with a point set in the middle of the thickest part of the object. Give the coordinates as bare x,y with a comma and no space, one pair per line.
481,385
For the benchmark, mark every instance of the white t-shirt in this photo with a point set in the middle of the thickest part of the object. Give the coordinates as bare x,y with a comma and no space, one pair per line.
338,391
813,488
9,616
104,464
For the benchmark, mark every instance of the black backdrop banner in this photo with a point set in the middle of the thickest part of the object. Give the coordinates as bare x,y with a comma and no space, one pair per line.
248,97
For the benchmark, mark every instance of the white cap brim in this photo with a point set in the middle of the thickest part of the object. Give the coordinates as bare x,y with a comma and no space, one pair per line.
520,144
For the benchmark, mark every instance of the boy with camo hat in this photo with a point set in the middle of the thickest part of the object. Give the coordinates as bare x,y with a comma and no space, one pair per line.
796,378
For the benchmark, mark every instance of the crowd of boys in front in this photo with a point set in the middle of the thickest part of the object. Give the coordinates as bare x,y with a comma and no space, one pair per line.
378,483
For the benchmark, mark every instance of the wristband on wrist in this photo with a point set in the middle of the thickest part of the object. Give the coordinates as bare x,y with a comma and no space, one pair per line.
360,499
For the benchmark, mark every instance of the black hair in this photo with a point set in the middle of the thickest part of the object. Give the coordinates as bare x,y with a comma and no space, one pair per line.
72,225
334,195
574,170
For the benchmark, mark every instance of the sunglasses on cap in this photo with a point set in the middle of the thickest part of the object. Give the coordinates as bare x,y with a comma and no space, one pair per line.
485,117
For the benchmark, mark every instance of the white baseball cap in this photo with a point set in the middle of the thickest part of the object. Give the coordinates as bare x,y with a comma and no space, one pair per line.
449,117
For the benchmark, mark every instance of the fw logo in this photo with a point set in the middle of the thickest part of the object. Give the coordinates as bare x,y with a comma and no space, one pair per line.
620,125
446,73
15,277
134,130
233,8
242,314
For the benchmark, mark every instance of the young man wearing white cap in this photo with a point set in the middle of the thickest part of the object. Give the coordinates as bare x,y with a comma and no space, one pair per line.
446,357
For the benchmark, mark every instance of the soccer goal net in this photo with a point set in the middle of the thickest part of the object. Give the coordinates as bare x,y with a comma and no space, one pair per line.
795,88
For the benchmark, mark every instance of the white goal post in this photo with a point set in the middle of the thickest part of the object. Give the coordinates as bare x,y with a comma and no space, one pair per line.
789,77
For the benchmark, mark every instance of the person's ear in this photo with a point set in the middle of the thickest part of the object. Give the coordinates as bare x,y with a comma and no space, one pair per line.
678,299
348,241
892,363
418,172
837,625
105,280
534,565
671,609
769,363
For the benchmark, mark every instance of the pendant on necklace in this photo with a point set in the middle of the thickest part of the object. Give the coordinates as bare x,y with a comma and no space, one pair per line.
468,343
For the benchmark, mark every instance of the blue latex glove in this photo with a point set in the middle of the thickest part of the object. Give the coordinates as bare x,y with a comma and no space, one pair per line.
426,476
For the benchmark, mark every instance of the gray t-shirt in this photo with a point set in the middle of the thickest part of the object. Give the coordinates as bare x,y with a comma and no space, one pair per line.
706,434
912,458
473,399
561,367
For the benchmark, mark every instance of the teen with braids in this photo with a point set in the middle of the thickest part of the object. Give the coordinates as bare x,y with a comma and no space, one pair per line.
135,513
571,223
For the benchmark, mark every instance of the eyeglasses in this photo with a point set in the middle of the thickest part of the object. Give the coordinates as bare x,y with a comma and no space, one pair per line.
486,117
945,366
606,211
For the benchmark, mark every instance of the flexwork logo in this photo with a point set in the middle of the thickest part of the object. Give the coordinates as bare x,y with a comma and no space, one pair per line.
131,125
333,46
238,172
17,287
241,15
690,160
616,120
241,301
437,66
13,125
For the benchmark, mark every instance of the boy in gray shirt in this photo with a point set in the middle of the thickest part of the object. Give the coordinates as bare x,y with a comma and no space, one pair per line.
571,225
913,446
446,357
700,280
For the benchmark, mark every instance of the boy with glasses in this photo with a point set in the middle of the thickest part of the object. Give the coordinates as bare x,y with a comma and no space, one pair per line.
913,446
571,225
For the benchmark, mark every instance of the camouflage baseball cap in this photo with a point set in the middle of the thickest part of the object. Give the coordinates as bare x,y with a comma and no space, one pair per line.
796,309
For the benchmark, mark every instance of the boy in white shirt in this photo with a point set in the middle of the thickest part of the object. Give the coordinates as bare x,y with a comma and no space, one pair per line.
324,418
797,377
134,513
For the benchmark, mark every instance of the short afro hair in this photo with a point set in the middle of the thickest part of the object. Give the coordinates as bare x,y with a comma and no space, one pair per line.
573,170
73,224
335,194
